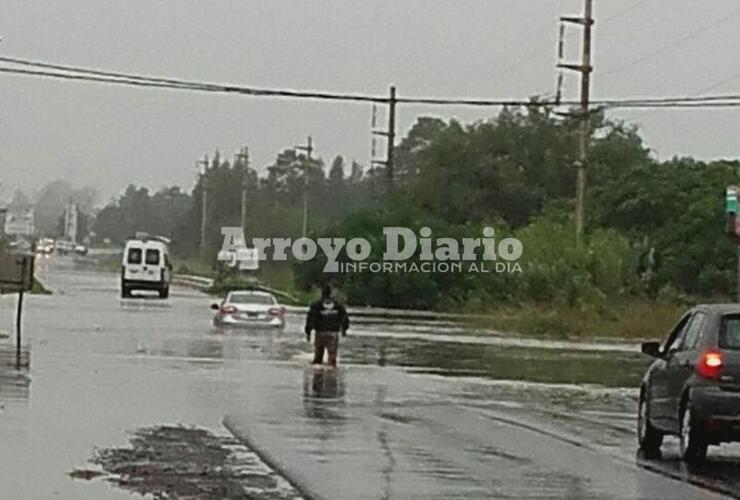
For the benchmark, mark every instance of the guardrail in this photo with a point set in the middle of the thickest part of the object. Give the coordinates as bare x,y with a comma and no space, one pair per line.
197,282
201,283
103,252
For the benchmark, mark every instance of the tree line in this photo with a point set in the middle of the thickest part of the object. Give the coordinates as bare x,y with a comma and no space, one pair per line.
515,172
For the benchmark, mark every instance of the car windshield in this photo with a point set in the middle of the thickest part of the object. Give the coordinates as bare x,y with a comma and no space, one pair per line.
730,332
251,298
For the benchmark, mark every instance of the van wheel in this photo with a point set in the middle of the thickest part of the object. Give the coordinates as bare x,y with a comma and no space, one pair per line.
693,439
125,292
164,292
648,436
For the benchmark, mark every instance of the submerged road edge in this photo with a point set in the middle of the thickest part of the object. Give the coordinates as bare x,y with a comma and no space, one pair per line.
292,477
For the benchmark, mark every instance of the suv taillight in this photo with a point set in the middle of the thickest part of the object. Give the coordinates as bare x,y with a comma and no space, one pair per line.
710,364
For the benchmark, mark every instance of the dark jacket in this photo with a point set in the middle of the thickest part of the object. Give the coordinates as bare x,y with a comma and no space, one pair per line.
327,315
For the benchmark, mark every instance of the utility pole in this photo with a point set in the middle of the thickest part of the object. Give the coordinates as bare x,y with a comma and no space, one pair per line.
585,69
308,148
737,248
390,135
733,226
243,157
204,204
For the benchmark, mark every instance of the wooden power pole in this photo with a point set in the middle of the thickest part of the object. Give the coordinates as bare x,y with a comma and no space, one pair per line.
204,204
308,148
243,157
585,69
390,135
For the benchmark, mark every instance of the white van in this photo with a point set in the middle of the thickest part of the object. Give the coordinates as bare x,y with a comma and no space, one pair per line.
146,266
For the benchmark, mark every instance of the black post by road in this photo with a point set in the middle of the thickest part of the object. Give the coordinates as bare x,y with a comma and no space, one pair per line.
19,314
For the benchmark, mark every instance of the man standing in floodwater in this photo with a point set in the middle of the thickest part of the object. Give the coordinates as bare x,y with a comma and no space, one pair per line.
328,318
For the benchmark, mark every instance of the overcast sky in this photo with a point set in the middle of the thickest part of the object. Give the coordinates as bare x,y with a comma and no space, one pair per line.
109,137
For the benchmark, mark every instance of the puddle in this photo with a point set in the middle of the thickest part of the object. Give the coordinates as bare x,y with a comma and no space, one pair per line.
482,360
187,464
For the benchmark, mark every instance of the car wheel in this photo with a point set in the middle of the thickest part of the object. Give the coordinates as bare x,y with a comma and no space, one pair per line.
648,436
125,292
693,440
164,292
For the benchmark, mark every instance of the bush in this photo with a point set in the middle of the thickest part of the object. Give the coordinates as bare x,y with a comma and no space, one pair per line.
557,270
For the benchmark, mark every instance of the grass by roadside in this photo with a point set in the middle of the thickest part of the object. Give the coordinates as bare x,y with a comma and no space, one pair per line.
277,278
194,267
629,318
39,288
112,263
632,319
109,263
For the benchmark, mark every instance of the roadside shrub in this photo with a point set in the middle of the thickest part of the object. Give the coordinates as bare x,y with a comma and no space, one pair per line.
558,270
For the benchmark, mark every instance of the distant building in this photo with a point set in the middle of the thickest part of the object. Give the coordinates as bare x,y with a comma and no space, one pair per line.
70,223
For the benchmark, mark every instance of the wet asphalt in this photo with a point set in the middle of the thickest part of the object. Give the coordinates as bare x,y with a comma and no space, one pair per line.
419,409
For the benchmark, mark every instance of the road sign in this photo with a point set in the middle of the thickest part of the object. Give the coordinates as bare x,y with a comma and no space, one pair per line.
19,224
248,259
16,273
731,200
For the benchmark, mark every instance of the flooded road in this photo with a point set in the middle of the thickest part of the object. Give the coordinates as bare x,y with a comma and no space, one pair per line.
424,409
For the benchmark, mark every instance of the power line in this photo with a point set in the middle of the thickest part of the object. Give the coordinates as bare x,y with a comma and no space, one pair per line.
89,71
617,15
101,76
536,49
727,79
127,79
689,36
608,103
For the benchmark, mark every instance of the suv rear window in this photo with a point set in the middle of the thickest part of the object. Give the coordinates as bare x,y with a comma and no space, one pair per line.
729,335
134,256
152,257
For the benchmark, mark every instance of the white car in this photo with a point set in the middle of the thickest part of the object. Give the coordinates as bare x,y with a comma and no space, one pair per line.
249,308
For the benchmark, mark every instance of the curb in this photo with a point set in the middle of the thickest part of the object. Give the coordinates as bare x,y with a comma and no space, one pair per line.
271,462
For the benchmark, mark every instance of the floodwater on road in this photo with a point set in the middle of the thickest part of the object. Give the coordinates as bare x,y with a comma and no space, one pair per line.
409,396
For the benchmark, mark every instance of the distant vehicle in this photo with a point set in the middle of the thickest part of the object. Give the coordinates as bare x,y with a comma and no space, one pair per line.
64,247
146,266
45,246
249,308
80,249
20,244
692,389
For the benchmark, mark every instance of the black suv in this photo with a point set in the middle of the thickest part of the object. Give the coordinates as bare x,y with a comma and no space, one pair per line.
692,389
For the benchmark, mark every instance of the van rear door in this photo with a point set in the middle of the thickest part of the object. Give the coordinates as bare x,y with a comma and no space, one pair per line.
152,264
133,267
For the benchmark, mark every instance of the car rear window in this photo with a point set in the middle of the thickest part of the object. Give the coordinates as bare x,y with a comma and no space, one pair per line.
134,256
729,335
251,298
152,257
